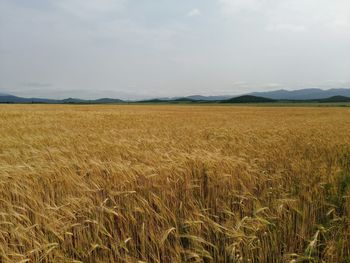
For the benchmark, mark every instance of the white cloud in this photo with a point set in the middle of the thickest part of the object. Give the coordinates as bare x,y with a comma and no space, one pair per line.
90,8
292,15
286,27
340,23
236,6
194,12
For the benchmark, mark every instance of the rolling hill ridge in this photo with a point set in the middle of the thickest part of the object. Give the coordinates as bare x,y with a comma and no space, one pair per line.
305,95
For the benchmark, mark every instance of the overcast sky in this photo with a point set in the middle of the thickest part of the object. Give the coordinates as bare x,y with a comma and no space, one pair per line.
139,48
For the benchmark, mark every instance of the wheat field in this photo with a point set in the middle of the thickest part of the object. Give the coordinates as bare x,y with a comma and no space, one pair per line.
133,183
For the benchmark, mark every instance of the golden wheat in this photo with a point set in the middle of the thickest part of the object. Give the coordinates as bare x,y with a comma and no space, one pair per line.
174,184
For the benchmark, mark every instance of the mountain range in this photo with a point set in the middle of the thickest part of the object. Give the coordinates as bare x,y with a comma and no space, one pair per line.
4,98
303,94
282,94
312,95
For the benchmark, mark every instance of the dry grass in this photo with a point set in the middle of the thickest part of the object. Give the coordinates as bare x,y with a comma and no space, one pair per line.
174,184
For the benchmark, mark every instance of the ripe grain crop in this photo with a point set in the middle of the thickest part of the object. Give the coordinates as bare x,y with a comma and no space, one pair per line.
173,183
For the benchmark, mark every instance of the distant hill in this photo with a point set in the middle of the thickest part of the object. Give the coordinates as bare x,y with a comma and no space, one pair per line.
302,94
11,99
282,94
248,99
208,98
15,99
154,101
97,101
196,98
108,100
184,99
168,100
335,99
73,100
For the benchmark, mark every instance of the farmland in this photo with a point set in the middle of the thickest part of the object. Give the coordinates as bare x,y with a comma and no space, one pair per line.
174,183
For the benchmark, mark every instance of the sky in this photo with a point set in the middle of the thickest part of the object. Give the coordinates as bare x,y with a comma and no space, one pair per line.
134,49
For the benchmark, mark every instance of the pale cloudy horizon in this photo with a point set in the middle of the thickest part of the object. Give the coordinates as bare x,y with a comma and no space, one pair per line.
163,48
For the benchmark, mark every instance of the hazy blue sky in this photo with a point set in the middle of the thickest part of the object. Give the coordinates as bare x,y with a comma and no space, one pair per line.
130,48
